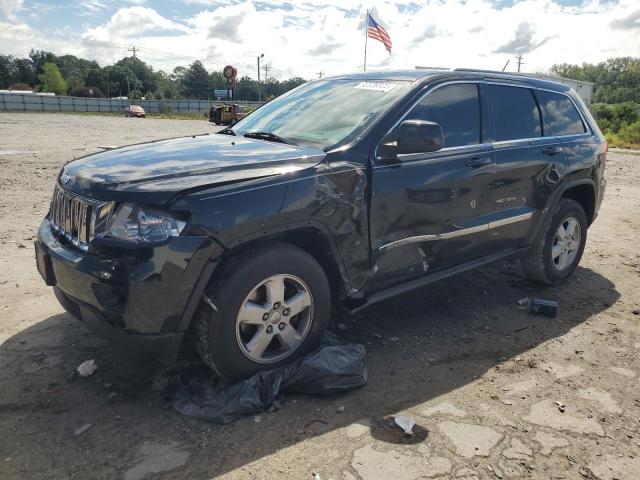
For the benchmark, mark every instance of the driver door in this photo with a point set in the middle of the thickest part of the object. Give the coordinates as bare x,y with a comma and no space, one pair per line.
427,209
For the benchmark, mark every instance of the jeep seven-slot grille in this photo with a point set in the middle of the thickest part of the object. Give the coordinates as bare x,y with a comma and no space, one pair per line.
75,218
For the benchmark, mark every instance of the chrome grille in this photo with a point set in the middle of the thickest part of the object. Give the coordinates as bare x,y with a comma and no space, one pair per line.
77,219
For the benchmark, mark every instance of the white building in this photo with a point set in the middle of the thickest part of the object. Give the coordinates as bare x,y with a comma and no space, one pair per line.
584,89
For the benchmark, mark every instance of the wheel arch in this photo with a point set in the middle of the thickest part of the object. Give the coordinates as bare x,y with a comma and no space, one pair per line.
312,238
584,193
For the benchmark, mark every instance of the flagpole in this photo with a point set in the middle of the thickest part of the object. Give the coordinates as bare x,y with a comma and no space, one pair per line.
366,36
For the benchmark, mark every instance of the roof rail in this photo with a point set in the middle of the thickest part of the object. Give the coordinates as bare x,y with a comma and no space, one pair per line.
517,74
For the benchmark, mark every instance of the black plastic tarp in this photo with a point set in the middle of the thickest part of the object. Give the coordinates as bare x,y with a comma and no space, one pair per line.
335,366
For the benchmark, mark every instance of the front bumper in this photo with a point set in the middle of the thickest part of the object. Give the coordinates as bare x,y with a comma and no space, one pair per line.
141,299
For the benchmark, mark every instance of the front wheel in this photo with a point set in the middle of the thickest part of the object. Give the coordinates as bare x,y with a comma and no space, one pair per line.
268,306
558,251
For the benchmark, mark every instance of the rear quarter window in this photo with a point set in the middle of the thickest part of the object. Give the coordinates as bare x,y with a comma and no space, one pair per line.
515,113
560,114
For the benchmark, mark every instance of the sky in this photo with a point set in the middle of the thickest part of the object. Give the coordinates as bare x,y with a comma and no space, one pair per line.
306,37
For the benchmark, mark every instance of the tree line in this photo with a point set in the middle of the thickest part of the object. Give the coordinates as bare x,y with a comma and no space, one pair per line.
128,77
616,96
616,80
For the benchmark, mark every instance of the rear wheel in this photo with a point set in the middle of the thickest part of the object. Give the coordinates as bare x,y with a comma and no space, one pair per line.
267,307
558,251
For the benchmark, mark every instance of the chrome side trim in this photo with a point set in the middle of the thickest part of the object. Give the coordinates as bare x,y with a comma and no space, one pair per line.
457,233
509,220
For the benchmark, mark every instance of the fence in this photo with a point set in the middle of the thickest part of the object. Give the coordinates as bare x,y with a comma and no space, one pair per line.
26,102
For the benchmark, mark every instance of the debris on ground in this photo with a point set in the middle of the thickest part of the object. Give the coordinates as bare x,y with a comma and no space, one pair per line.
548,308
316,476
335,366
209,302
87,368
340,409
257,419
560,406
405,423
82,429
395,339
523,303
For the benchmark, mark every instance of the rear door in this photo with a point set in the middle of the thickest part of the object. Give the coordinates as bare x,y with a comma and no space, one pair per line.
565,122
425,206
529,163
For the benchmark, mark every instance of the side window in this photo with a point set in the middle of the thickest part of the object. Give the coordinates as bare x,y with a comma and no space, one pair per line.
515,113
560,114
456,108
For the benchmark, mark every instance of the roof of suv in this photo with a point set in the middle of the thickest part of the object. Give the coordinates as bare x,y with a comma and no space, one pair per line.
424,74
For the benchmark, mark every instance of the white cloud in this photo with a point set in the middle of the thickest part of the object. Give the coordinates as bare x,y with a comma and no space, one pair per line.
132,22
302,37
9,8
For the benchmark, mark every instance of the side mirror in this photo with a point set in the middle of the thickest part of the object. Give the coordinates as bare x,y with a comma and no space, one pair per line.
419,136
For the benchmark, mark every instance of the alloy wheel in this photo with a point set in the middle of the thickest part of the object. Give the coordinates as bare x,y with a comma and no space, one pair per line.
566,243
274,318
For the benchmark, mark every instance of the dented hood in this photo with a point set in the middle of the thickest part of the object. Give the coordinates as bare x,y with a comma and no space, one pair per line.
154,172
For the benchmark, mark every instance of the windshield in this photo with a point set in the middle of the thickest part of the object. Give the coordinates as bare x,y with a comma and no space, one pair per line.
324,113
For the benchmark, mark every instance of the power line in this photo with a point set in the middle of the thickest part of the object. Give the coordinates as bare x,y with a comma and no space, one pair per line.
320,73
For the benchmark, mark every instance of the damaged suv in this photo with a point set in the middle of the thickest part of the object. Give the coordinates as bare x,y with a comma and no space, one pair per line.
342,192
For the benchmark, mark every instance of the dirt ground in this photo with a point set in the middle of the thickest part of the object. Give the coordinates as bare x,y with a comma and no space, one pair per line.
495,391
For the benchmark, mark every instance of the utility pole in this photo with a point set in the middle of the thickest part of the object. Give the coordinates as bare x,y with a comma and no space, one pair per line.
520,62
266,77
259,89
320,73
135,79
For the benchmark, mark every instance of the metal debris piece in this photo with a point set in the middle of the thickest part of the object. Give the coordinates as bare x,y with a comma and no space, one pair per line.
209,302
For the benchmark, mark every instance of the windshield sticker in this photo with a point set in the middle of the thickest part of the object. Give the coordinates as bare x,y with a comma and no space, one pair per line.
378,86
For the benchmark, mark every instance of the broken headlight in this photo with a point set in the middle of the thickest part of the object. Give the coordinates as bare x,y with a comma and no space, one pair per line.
143,224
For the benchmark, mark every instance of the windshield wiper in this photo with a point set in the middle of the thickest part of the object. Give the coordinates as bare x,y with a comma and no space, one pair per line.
269,137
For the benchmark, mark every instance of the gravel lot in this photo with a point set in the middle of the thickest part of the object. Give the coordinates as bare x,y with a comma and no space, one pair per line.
480,377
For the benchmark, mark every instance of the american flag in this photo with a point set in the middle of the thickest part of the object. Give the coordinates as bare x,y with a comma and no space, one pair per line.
377,32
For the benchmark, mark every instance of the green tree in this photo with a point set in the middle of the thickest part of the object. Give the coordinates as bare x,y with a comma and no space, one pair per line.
52,80
195,81
141,76
616,79
40,57
7,71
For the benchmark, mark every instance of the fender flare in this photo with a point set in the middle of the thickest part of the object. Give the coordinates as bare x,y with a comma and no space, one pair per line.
213,263
555,199
274,231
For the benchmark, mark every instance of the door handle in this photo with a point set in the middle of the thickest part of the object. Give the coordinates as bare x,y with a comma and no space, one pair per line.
552,151
476,162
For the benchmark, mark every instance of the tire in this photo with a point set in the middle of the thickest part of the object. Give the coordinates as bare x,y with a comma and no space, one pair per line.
226,326
543,264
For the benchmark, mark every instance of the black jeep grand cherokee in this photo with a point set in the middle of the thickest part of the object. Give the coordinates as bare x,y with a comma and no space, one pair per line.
344,191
